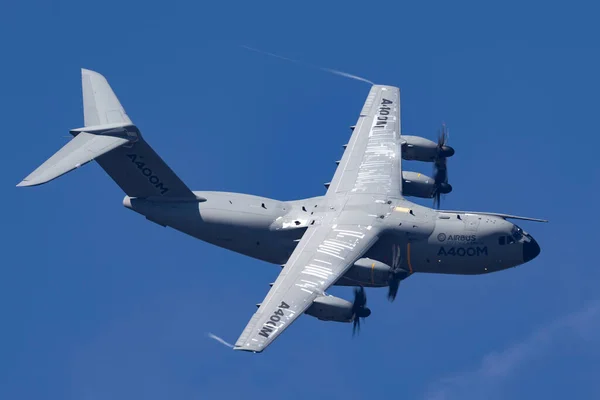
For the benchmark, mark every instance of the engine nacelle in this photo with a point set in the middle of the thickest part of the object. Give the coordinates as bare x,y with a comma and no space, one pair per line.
421,149
331,308
418,148
419,185
367,272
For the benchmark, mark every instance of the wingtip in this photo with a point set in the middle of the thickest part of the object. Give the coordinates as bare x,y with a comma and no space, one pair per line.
23,183
33,181
241,348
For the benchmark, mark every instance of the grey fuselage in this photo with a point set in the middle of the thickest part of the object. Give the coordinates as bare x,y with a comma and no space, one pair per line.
417,238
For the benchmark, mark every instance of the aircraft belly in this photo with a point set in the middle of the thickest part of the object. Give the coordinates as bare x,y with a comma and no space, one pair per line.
242,232
262,245
240,223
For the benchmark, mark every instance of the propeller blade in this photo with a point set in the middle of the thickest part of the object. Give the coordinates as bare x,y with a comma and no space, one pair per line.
360,298
394,279
359,309
393,288
436,200
440,167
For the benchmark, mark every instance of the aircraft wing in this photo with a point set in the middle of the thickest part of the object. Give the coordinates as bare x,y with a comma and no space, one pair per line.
371,166
372,162
323,255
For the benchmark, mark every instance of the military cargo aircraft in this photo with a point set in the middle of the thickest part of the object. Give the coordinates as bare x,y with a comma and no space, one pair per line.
363,232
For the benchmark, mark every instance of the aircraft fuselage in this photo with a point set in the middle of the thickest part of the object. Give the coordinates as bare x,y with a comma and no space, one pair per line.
417,238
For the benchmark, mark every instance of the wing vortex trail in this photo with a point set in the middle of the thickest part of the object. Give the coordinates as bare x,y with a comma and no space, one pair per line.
218,339
330,70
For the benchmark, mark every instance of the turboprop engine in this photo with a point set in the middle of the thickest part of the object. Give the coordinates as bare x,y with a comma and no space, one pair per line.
331,308
420,149
368,272
373,273
419,185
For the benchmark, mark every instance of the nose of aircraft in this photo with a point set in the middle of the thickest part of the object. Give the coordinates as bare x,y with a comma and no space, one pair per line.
531,250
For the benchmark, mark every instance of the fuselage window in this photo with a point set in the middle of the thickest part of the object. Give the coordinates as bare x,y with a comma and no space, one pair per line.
502,240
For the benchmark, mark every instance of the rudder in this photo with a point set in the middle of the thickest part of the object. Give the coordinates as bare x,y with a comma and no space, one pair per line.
136,168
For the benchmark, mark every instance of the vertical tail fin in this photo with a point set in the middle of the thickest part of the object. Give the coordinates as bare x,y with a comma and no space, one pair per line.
110,138
136,168
100,104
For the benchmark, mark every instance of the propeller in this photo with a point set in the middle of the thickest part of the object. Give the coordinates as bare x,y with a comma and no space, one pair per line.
394,282
359,309
440,167
393,287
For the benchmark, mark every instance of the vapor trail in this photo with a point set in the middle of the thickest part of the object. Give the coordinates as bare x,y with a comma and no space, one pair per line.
330,70
218,339
347,75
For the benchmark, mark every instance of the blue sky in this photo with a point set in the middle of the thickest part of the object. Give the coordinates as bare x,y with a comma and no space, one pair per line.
98,303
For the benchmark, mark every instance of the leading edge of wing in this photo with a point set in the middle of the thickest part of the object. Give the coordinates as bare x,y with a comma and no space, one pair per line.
372,162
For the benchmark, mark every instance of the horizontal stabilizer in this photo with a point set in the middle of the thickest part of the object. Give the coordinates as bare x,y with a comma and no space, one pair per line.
80,150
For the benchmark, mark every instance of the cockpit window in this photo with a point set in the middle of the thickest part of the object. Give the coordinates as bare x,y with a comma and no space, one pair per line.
517,233
515,236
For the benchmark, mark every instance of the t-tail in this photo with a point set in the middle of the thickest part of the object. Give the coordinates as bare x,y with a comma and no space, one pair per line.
113,141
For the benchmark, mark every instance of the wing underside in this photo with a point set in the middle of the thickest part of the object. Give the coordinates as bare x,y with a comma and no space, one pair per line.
372,162
323,255
369,173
